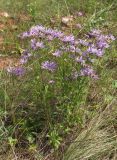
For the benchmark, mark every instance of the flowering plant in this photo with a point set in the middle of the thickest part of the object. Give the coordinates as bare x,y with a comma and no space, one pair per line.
58,66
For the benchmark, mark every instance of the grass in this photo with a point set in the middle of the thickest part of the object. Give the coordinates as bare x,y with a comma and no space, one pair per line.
36,121
98,140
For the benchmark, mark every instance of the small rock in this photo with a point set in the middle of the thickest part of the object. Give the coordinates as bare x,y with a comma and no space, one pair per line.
67,20
80,14
4,14
78,25
14,27
53,21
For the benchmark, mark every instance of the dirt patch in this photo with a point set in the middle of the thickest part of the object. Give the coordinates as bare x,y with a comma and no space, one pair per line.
8,62
2,26
1,39
24,17
1,42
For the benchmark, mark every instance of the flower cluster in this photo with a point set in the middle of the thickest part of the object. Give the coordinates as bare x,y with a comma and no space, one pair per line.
36,45
51,66
82,51
25,57
88,71
57,53
18,71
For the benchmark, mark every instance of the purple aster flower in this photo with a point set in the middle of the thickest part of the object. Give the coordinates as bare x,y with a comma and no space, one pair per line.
80,60
102,38
51,66
24,35
109,37
49,31
33,44
78,50
57,53
41,31
83,42
102,44
40,28
34,31
88,71
26,53
50,38
18,71
94,33
57,34
40,45
41,35
25,57
100,52
85,53
94,50
112,37
54,33
72,48
69,39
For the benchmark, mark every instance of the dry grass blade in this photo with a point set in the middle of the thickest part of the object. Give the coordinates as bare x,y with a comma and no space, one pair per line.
98,141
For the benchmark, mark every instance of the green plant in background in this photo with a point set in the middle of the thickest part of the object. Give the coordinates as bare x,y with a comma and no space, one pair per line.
32,9
54,138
